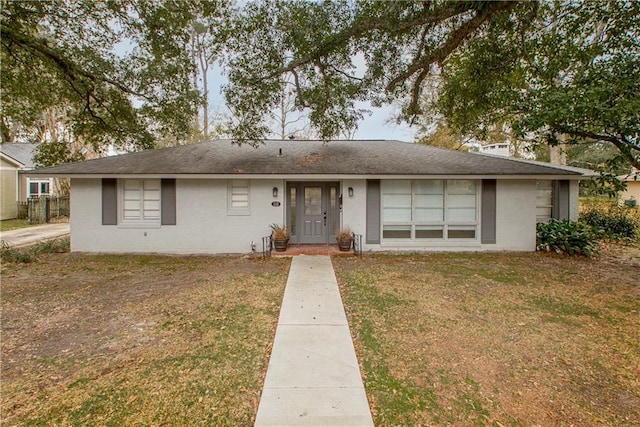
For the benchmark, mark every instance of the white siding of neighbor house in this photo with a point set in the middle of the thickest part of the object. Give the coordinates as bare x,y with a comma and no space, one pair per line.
203,223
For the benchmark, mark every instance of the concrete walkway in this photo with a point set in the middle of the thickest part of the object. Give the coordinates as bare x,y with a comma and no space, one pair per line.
313,378
31,235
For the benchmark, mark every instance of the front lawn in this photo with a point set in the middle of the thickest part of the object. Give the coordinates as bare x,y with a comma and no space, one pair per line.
443,339
497,339
136,340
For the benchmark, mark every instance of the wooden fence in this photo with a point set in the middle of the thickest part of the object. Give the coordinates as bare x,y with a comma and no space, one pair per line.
43,209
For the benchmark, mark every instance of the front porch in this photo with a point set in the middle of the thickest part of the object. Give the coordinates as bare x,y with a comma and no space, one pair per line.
323,249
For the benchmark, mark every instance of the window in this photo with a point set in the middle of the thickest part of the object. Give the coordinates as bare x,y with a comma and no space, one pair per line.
140,201
429,209
39,187
238,200
544,201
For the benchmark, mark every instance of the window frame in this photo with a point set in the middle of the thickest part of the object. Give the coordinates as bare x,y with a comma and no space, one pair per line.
549,199
441,227
141,221
238,210
39,182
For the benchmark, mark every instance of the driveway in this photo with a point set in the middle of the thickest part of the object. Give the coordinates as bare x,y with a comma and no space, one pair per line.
31,235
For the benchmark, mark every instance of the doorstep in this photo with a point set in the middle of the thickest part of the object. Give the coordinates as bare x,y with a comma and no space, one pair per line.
293,250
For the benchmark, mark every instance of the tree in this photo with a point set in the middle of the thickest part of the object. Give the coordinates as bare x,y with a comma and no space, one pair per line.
543,68
208,37
339,53
121,67
287,121
573,76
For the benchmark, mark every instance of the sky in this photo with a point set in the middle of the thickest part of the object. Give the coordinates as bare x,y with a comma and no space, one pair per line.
377,125
380,125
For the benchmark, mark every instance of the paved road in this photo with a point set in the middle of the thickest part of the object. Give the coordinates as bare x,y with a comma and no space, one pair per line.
31,235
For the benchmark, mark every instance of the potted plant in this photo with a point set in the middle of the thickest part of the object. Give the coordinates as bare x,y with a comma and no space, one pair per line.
279,237
344,238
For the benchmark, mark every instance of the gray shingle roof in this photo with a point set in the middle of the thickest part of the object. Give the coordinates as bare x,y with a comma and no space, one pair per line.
20,152
298,157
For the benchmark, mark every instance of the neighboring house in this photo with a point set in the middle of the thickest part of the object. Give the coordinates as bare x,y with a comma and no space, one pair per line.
631,196
218,197
15,157
501,149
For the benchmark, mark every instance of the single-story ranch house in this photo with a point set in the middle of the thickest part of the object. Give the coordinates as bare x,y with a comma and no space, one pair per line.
219,197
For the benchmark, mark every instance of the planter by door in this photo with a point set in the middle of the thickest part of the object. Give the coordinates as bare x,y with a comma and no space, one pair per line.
344,244
280,245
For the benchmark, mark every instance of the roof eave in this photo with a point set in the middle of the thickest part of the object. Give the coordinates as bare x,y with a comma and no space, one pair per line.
313,177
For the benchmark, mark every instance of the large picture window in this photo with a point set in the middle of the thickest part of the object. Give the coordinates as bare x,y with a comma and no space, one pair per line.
140,201
429,209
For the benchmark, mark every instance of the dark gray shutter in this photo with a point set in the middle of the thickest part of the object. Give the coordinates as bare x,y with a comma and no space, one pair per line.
168,201
560,200
488,214
109,201
373,211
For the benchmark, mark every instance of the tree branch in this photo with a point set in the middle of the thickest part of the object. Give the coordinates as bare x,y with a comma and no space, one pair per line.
454,40
70,69
447,11
622,144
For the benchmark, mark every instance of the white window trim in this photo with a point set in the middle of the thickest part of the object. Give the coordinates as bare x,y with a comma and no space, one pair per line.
547,206
39,181
445,240
138,223
231,210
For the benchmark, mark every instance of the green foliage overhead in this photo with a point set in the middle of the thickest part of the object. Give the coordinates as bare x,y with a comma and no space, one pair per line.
572,74
340,52
55,153
121,69
546,69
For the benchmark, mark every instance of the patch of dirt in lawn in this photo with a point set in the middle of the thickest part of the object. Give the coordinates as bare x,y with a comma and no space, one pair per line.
60,306
89,322
499,339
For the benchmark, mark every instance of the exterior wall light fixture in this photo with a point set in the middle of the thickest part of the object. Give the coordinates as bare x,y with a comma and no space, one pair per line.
275,192
350,191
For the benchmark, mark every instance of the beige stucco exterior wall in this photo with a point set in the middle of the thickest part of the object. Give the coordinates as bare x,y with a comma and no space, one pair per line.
8,185
632,191
203,225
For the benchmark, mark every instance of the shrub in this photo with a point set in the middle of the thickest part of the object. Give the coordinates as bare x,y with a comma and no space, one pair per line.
279,232
615,222
26,255
567,236
8,255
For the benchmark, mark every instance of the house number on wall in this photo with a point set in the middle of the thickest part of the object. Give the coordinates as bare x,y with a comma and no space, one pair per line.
275,204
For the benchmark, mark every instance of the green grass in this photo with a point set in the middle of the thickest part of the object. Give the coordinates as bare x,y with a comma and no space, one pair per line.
14,224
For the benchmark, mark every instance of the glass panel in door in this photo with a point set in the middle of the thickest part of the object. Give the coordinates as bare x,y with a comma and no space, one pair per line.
314,215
